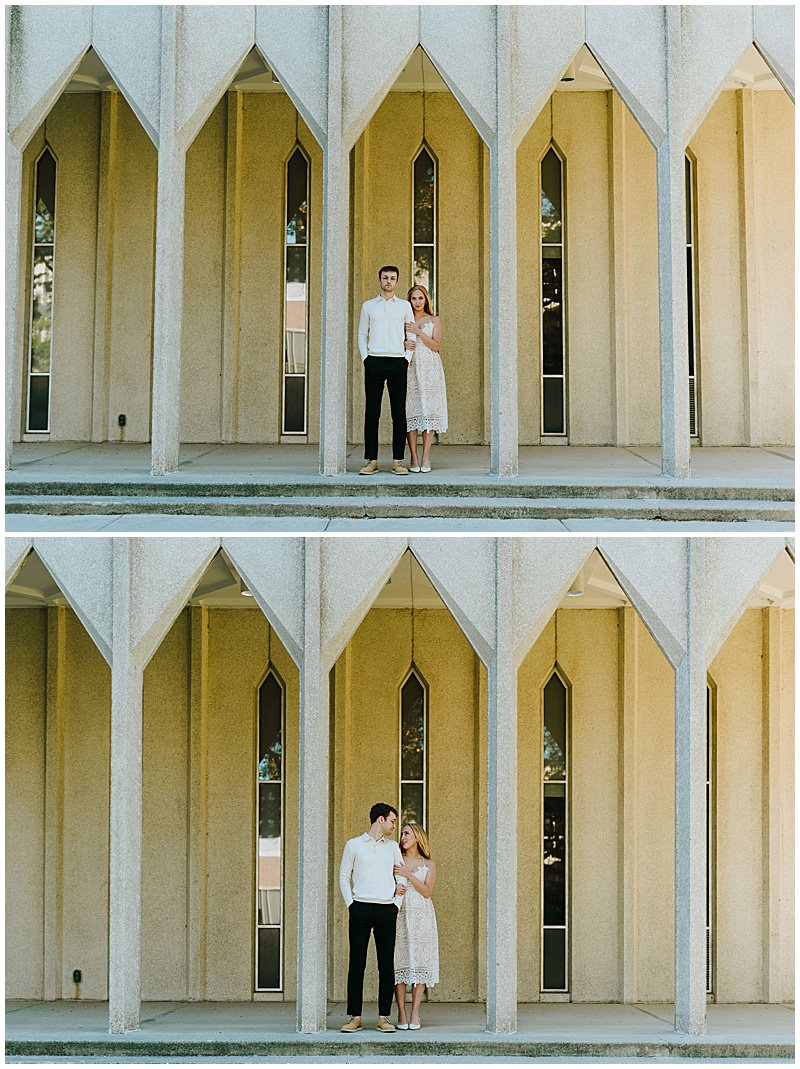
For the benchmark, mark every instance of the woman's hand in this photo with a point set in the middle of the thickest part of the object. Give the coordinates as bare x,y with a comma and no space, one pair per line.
412,328
403,870
410,343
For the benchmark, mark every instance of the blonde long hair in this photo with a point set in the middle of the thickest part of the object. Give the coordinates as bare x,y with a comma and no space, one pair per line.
427,308
419,833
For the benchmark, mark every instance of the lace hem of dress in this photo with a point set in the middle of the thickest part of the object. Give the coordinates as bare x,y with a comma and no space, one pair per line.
415,976
426,423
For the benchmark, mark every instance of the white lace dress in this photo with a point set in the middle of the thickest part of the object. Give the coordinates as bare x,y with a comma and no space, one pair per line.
416,948
426,396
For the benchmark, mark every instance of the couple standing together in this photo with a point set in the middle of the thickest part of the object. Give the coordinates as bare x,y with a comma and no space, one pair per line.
399,344
387,889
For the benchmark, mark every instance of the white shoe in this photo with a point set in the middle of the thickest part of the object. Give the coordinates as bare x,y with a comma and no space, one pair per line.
415,468
425,467
414,1027
402,1027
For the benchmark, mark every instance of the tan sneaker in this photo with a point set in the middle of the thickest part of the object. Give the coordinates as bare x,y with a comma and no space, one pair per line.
384,1025
399,468
353,1025
369,468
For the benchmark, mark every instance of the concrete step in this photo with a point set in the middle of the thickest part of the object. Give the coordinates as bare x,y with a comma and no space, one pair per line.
406,507
387,486
373,1046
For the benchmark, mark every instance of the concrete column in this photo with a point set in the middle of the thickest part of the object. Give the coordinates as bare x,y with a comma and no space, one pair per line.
104,261
125,810
15,263
672,280
501,810
313,844
168,299
335,269
504,435
748,243
690,809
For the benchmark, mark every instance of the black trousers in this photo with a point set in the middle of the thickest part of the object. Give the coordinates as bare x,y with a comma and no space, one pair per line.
365,918
391,370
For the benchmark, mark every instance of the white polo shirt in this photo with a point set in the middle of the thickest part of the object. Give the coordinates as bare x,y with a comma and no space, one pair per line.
369,864
381,328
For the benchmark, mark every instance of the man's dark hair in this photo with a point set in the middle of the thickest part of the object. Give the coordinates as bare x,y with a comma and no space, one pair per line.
396,270
381,809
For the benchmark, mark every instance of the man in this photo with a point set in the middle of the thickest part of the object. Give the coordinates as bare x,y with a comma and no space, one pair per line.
383,347
366,878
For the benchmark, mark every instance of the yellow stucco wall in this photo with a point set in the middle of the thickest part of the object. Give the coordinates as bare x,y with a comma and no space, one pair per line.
199,801
234,265
382,234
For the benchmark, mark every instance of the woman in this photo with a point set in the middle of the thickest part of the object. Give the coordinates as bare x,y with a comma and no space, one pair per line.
426,397
416,950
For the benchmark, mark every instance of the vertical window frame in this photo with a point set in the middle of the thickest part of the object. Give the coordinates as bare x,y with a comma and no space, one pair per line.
413,671
296,147
693,356
434,245
711,868
564,376
557,671
29,373
271,670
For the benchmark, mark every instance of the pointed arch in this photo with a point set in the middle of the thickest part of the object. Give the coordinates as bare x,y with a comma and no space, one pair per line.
553,409
414,697
554,941
270,807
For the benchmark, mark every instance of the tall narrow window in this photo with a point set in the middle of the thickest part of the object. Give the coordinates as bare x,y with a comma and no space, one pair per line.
555,771
424,222
295,345
709,839
554,394
269,862
413,750
41,327
691,275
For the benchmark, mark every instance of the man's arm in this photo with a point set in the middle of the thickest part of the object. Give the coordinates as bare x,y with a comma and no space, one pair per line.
409,312
363,331
345,874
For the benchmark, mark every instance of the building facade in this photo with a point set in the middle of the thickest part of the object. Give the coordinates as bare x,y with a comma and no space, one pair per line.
195,727
199,198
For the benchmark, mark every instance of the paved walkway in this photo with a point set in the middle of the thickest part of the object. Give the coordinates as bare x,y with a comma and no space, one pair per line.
112,462
93,487
545,1030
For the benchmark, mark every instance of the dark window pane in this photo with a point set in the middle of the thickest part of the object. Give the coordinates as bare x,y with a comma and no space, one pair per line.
412,739
269,810
270,874
688,173
551,198
269,958
555,729
423,268
555,960
294,404
411,803
296,267
41,319
270,700
38,402
44,222
423,198
554,854
297,200
552,316
553,402
690,305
